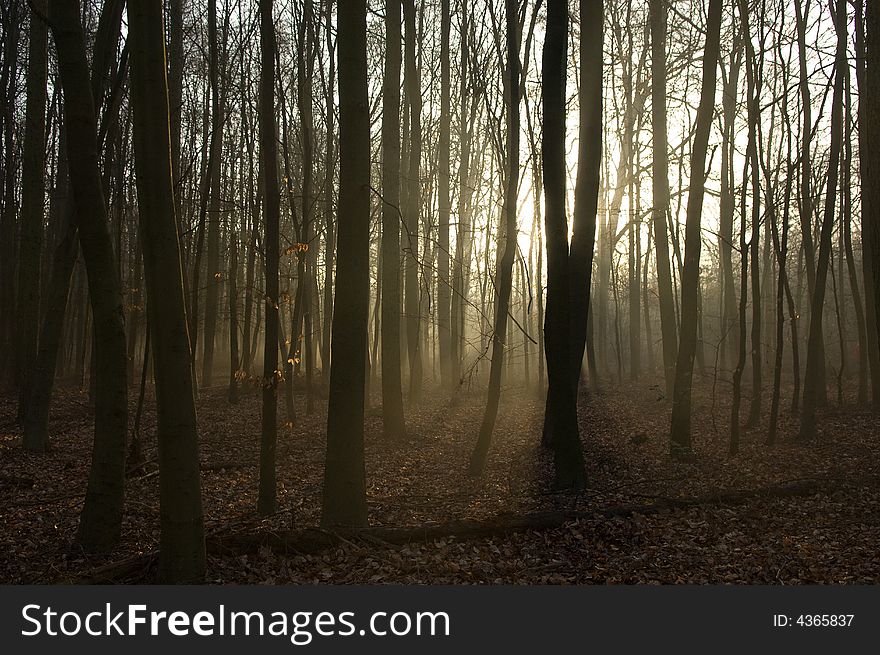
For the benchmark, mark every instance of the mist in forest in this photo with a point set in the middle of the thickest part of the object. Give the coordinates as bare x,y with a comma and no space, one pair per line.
485,267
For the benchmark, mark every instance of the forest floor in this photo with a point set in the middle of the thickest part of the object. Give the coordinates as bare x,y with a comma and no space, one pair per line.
789,514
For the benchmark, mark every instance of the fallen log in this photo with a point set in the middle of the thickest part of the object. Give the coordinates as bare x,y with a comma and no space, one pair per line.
309,541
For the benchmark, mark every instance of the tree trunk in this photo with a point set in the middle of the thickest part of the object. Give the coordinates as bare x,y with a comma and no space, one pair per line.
182,540
661,188
680,432
36,428
814,381
868,50
463,228
8,91
329,167
569,269
344,500
846,229
802,10
33,191
412,213
729,336
392,396
506,242
753,84
269,154
214,274
102,512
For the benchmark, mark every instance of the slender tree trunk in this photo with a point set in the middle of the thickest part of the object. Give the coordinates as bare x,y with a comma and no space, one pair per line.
780,248
392,396
506,241
729,336
802,10
753,83
33,191
680,432
813,379
8,91
846,229
234,357
306,70
176,64
741,327
868,50
266,502
444,296
36,427
413,205
462,230
329,167
214,274
657,10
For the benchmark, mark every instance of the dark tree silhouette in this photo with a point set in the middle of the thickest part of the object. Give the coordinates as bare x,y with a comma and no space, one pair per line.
345,496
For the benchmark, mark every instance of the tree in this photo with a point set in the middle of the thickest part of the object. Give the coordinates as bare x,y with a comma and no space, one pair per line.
212,296
33,182
411,215
729,325
869,141
36,425
506,241
680,432
661,188
443,282
392,396
463,228
814,381
586,191
753,86
182,538
345,497
568,271
806,209
272,212
11,33
102,511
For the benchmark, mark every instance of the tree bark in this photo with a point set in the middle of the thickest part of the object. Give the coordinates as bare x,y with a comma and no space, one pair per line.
344,501
33,192
444,295
269,155
868,51
182,537
680,431
413,204
506,241
392,395
814,381
660,156
102,512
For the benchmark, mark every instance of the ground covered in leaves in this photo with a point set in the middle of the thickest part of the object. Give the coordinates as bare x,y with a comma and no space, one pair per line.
642,518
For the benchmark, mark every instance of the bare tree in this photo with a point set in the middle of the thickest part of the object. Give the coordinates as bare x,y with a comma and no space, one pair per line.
392,396
680,432
102,512
345,496
182,545
269,156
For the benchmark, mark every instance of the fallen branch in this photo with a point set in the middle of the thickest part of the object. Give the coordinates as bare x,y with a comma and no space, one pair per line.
226,466
314,540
